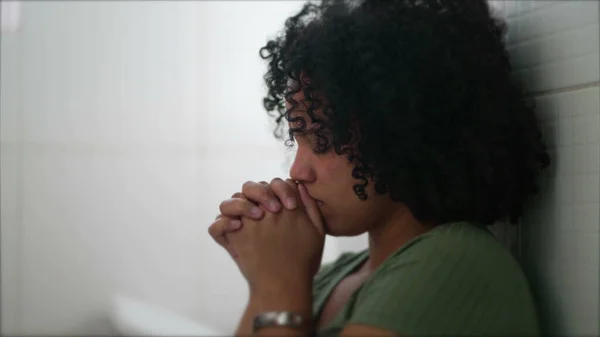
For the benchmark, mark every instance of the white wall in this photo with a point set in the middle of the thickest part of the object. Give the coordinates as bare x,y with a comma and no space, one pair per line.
124,124
554,47
10,175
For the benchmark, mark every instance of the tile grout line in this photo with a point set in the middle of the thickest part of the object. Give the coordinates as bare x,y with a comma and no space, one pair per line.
20,305
563,90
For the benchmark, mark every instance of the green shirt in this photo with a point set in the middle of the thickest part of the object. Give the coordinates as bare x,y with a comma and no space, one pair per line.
453,280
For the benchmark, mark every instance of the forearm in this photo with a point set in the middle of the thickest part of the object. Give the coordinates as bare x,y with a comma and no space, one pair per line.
291,296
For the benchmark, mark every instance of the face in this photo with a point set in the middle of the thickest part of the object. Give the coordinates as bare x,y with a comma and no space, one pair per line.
328,179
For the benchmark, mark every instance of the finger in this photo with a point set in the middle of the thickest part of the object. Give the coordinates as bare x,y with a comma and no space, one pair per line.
239,195
221,227
285,192
293,183
236,208
312,209
294,187
262,195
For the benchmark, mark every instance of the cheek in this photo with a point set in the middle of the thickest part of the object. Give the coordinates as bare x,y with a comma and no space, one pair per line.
336,170
345,213
351,216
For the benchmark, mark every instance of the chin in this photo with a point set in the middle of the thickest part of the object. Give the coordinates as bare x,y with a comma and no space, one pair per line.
338,229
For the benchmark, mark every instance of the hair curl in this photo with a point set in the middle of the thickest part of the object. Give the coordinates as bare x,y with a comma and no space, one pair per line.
441,126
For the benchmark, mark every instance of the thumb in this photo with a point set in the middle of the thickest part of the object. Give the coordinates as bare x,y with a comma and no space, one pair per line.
312,209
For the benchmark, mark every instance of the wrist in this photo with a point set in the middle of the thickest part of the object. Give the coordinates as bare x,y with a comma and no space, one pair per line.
282,286
279,295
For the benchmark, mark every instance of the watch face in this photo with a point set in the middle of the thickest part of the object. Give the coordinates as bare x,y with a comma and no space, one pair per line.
287,319
282,319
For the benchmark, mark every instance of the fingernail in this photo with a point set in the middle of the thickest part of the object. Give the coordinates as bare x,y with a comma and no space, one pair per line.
235,224
257,212
274,206
291,203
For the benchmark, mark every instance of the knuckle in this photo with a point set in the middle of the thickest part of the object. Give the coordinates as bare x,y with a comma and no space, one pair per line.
217,230
280,187
223,205
238,195
247,185
233,208
255,191
264,193
242,206
276,181
213,229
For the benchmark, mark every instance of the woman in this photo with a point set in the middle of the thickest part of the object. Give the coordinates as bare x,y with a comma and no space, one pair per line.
408,128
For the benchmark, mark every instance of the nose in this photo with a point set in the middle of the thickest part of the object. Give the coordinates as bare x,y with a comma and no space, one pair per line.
302,169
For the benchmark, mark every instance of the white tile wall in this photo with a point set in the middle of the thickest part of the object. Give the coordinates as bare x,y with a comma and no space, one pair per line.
554,45
554,48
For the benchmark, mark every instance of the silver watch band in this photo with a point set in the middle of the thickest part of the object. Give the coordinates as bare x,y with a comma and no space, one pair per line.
277,318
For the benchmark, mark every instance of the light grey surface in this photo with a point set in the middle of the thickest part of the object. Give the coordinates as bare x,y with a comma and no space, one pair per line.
554,47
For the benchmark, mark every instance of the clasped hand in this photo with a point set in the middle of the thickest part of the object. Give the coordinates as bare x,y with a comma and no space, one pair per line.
274,231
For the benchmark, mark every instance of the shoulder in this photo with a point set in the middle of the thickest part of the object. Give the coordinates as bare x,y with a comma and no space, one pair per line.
458,255
453,245
457,279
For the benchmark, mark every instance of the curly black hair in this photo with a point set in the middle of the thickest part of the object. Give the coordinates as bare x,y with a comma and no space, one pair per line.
442,127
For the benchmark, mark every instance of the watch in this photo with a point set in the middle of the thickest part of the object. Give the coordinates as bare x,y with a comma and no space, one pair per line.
277,318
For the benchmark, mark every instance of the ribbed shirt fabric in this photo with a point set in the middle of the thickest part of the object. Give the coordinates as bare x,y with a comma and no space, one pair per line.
455,280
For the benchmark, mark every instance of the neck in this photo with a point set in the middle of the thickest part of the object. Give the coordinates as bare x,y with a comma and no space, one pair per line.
386,238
